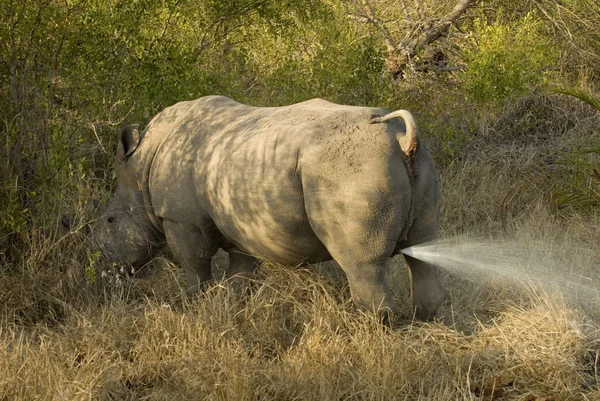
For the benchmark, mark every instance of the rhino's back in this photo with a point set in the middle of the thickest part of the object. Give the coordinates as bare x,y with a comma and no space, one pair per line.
218,116
251,169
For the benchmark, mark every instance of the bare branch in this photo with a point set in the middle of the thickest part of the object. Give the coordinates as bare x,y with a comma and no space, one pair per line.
358,18
436,30
419,8
421,34
439,69
408,18
374,19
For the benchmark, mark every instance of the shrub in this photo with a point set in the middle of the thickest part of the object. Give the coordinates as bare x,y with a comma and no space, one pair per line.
509,60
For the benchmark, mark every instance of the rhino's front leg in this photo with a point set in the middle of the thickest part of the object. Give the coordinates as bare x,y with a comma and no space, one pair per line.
193,253
241,269
241,265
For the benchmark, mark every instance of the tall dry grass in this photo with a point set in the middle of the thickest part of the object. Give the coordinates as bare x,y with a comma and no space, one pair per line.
297,335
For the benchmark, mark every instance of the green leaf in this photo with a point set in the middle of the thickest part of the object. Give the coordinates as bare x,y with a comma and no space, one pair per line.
582,94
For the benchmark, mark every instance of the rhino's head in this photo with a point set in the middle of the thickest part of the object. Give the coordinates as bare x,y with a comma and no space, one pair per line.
125,233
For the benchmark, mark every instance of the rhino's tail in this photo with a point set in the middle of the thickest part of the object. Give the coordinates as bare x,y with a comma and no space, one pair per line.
408,142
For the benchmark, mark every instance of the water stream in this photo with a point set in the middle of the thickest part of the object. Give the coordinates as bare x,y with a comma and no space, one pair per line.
575,271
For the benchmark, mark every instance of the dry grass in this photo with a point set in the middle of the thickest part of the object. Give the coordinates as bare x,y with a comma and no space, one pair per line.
297,336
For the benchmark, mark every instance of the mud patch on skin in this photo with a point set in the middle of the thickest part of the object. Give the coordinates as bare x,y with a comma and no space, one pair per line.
346,143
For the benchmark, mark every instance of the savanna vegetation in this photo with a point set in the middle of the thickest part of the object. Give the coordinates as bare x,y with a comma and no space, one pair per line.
506,96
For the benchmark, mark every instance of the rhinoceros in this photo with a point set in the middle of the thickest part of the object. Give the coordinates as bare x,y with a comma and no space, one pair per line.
304,183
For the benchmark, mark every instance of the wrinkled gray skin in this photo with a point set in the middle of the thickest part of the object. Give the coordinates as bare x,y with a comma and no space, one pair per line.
304,183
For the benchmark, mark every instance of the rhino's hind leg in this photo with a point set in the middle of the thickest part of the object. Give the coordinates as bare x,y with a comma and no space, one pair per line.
369,286
193,253
361,242
426,290
360,233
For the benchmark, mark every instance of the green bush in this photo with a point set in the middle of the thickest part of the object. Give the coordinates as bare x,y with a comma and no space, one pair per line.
509,59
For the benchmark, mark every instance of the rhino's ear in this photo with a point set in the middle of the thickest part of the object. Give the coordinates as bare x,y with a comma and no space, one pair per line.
130,140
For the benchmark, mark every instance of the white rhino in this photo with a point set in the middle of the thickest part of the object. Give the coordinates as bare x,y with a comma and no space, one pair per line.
304,183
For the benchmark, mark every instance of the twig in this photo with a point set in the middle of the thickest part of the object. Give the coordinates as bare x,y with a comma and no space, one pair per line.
374,19
98,138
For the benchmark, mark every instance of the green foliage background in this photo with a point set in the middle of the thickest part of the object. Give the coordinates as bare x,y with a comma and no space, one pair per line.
509,59
73,71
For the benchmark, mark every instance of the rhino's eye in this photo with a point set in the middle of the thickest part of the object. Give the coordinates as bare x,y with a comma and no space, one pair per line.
110,219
